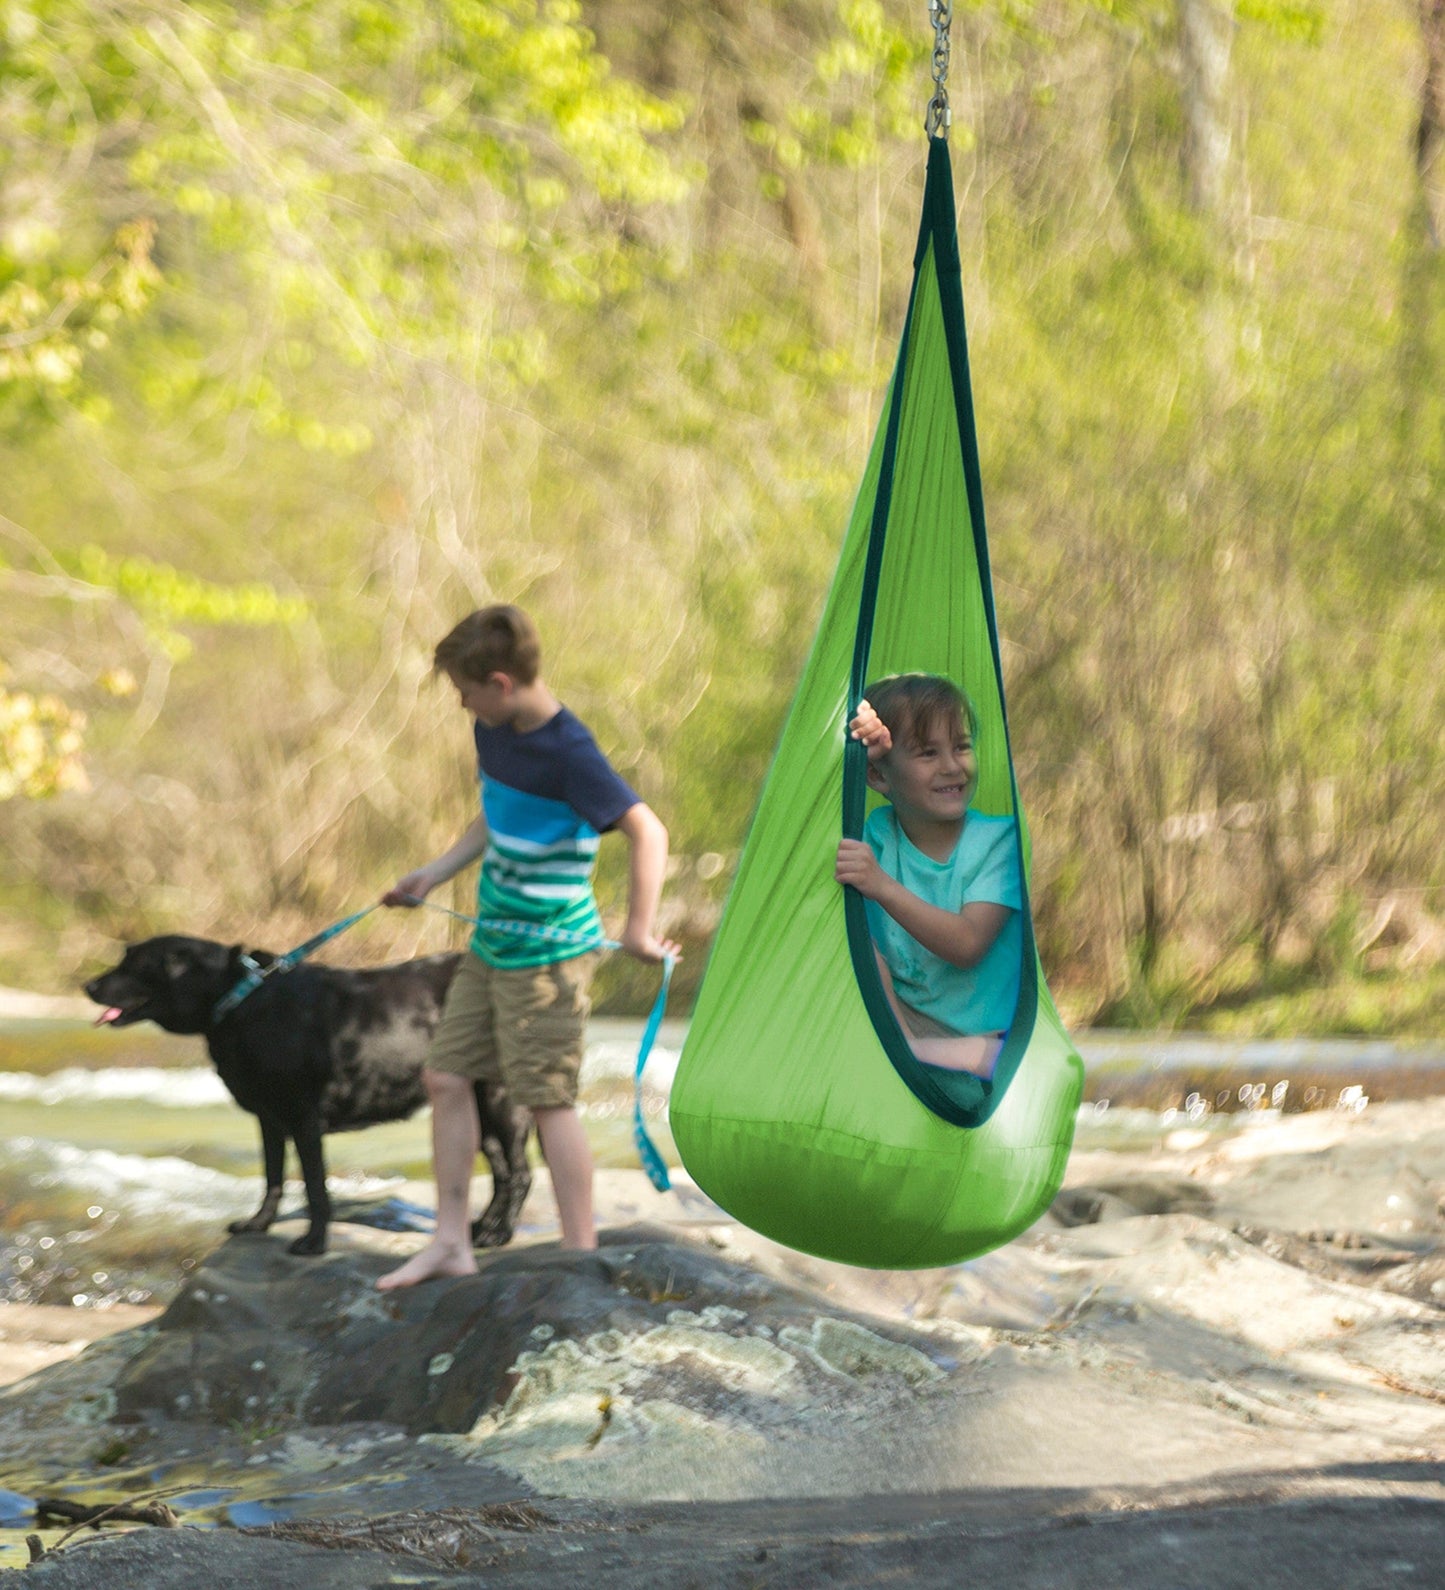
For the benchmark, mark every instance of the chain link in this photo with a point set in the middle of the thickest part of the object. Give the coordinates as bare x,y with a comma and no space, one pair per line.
939,117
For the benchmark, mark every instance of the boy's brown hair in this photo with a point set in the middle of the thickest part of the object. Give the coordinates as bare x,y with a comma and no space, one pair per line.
493,640
911,704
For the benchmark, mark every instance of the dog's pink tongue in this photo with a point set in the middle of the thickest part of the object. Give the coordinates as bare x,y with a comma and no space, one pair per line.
107,1015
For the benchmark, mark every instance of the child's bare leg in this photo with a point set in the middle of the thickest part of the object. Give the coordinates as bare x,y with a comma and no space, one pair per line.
975,1053
455,1138
569,1159
885,975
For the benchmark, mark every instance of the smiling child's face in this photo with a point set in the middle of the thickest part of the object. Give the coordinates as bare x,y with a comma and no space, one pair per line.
929,777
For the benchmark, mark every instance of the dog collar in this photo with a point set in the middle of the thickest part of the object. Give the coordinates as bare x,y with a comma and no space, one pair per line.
255,976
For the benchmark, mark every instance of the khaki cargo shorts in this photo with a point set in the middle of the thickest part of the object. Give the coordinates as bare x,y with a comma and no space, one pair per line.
522,1027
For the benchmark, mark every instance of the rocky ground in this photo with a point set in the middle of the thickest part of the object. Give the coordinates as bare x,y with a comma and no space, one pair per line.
1218,1361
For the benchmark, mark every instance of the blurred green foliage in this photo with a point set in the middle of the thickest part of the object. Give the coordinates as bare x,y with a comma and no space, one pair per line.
328,320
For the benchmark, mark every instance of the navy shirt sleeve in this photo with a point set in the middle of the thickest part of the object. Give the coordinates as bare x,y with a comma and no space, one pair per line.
594,788
559,761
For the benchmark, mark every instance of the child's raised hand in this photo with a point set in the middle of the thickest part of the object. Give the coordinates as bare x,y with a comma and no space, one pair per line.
858,866
868,727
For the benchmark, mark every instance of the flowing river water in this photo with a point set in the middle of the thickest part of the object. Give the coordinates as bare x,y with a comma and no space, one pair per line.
122,1157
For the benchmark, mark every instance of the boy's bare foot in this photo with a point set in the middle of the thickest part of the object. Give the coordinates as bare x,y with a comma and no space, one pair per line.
434,1263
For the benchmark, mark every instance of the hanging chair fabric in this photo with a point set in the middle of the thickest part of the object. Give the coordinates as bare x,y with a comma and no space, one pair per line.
798,1105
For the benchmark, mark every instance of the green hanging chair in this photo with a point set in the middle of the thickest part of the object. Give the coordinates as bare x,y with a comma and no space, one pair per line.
798,1105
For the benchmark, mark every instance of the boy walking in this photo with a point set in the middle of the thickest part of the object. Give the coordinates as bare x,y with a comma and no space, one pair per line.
518,1005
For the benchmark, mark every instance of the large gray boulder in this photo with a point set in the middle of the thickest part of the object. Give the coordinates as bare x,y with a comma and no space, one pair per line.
256,1336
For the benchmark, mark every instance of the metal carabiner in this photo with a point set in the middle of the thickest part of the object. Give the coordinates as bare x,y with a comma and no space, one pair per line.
939,117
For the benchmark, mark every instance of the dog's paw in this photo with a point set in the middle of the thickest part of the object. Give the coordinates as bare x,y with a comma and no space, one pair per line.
312,1243
239,1228
490,1234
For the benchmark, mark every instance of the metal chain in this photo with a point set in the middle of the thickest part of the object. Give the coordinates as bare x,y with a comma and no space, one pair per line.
939,117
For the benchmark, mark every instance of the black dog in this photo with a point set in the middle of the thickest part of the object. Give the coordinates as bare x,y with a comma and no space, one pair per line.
315,1049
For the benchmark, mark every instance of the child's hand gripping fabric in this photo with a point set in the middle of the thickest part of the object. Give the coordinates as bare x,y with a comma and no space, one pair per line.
868,727
856,863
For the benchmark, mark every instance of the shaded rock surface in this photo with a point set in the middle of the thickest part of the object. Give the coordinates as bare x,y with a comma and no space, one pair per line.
254,1337
1035,1541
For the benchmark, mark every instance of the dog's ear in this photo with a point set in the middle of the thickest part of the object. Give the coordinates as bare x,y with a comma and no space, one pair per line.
177,966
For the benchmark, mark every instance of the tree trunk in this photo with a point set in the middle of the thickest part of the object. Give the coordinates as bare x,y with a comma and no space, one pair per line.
1206,36
1430,134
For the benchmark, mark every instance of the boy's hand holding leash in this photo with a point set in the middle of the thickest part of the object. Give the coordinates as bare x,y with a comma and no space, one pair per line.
410,890
646,947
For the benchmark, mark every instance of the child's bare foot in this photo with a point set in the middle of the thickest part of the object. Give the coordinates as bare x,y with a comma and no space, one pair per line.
435,1262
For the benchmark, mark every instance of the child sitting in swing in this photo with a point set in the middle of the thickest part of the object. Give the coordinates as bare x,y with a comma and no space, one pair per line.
941,881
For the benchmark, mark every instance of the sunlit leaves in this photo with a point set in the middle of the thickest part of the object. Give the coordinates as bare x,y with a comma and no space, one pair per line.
41,739
868,86
52,318
169,595
326,147
423,190
1289,19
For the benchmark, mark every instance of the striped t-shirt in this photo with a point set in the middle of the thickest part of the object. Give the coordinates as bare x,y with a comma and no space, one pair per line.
548,795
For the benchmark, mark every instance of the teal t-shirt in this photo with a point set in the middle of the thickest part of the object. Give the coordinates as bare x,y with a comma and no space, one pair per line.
984,866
